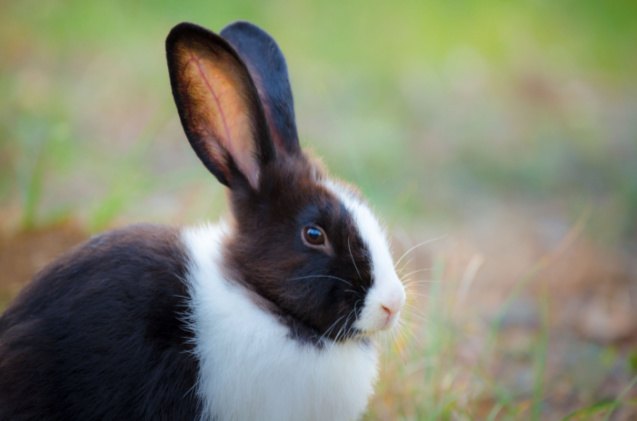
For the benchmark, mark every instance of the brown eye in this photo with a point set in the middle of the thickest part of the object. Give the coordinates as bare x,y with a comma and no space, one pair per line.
313,235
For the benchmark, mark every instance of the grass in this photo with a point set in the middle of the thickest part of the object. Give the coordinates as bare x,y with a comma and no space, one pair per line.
506,128
440,94
426,378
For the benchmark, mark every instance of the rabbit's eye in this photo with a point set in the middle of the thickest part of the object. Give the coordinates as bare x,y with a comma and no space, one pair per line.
313,236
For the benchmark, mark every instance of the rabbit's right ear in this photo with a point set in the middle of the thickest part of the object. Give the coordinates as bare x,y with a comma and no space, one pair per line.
269,71
218,105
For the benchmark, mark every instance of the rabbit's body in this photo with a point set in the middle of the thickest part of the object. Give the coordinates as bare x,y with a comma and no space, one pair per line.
268,316
89,339
166,328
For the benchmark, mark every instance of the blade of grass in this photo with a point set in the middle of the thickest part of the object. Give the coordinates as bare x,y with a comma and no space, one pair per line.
540,353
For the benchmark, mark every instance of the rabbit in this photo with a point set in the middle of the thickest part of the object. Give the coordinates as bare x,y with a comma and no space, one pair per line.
270,314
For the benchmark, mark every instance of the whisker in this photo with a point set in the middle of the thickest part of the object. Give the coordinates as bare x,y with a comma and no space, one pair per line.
412,248
352,256
298,278
351,313
337,337
418,285
404,265
419,282
341,332
416,294
411,315
329,329
413,272
414,312
416,291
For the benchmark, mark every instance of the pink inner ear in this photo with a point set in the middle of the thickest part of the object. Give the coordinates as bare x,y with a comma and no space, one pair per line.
218,110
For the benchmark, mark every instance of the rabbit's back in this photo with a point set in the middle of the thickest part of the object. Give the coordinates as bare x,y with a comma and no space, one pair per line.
100,334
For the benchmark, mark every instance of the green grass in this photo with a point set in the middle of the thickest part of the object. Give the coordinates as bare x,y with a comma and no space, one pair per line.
417,102
443,112
426,379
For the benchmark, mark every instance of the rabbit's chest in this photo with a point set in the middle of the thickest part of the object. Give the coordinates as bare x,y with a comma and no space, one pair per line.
260,379
251,368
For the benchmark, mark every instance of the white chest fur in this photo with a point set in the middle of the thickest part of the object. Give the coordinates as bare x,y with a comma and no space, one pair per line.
249,368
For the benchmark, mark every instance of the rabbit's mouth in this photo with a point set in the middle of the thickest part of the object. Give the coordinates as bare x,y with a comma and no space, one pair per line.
383,305
389,323
366,337
304,333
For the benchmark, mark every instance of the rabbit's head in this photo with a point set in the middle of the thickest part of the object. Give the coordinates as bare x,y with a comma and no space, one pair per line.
306,245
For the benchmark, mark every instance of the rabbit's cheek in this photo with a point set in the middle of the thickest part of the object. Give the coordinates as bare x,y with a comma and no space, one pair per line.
386,295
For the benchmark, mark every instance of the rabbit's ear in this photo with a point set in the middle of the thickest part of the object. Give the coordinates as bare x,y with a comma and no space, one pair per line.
269,71
218,105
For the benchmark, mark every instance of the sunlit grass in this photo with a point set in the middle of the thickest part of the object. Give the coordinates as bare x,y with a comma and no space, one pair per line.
443,112
425,375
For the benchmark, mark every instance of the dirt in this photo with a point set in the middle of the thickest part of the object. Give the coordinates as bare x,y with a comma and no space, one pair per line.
24,252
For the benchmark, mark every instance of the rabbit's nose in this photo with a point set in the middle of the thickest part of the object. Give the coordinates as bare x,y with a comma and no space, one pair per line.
393,302
389,315
391,309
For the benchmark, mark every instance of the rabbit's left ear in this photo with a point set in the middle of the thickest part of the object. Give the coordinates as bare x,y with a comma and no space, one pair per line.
269,71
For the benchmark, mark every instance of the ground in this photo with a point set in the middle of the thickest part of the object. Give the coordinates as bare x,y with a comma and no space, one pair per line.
497,142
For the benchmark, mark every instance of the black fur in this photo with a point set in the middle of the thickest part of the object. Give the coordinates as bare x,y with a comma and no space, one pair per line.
319,295
99,335
269,71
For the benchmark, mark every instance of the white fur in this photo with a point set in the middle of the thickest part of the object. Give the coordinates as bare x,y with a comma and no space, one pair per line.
250,369
387,291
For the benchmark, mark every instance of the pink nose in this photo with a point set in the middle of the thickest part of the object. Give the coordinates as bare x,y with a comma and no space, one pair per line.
392,305
390,313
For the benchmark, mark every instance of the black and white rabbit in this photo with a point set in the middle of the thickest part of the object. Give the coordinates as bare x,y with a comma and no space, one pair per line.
267,316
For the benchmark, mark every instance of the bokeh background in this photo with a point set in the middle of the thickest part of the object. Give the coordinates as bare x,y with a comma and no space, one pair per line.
498,140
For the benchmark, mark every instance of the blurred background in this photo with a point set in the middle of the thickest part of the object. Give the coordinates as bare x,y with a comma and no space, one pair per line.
497,140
